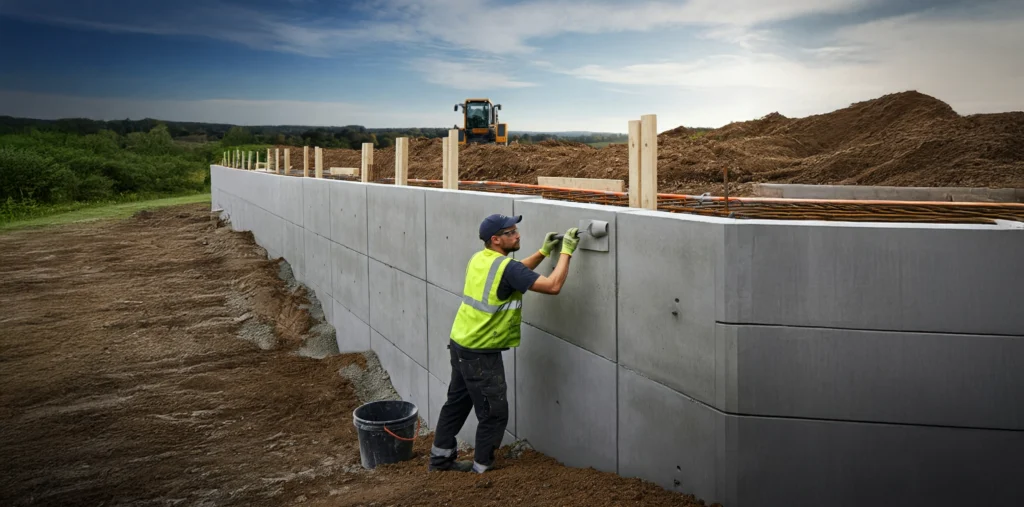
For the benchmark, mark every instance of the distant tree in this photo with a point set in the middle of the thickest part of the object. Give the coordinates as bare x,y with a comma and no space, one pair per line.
238,136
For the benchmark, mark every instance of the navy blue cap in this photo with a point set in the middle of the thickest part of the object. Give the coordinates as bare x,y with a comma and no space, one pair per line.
496,222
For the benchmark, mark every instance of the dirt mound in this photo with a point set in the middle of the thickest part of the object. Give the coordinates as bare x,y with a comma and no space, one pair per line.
901,139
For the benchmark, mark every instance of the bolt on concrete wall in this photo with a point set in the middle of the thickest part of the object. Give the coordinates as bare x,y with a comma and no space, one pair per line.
747,362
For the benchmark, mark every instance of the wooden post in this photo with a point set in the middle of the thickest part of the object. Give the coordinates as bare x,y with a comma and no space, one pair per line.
267,167
445,177
251,167
366,170
319,162
402,161
453,158
725,176
287,160
649,161
635,187
305,161
277,160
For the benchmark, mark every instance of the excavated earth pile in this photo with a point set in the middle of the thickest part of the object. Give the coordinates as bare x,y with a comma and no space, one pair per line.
164,360
902,139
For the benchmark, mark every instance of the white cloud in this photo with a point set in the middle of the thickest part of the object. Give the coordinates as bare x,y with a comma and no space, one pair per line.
466,75
489,26
974,64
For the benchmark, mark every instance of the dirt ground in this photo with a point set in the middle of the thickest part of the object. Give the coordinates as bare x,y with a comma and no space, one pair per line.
901,139
163,360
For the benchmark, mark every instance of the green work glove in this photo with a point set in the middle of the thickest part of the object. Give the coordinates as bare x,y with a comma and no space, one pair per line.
550,242
570,241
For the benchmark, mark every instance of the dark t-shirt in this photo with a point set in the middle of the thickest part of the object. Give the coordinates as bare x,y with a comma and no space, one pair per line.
516,277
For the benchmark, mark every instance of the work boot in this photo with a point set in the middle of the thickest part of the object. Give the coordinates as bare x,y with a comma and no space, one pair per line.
452,466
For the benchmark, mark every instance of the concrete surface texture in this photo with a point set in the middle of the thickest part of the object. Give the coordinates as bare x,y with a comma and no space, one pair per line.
584,312
747,362
858,192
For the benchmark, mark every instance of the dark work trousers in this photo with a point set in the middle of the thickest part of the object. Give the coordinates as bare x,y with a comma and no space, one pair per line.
478,382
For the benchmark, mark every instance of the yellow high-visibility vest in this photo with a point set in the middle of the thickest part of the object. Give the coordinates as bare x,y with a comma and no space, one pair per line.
484,321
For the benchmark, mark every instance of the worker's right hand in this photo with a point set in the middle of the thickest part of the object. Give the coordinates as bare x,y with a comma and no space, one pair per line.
570,241
550,242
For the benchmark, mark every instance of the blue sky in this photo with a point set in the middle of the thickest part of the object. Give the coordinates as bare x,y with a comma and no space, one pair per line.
553,64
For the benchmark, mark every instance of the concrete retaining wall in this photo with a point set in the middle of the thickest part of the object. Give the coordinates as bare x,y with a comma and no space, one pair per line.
747,362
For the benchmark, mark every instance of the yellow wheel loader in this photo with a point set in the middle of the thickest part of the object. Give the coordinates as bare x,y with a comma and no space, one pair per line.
480,123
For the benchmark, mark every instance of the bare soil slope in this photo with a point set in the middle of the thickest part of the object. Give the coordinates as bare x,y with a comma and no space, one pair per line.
162,360
902,139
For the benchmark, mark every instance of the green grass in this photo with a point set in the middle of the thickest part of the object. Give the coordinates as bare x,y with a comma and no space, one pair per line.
87,212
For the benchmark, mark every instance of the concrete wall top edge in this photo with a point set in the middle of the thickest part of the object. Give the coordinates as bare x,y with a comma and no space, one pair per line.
679,216
578,205
496,195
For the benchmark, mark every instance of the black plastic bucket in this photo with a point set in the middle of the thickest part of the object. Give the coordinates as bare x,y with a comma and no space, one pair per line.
387,430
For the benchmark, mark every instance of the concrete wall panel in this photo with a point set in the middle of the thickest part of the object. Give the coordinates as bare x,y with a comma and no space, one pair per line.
441,309
898,277
438,396
269,233
911,378
584,312
452,232
566,401
353,334
236,211
666,437
397,227
217,182
318,260
398,309
350,280
348,214
289,200
666,299
316,206
815,463
408,378
295,249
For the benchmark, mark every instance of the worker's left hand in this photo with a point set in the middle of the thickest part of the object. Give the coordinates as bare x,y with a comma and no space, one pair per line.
550,242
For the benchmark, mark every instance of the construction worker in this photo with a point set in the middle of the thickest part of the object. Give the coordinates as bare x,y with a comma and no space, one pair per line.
486,324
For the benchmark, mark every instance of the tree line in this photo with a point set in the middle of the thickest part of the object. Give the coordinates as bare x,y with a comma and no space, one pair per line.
350,136
42,168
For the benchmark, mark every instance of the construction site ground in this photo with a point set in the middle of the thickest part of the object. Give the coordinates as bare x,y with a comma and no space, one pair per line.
902,139
164,360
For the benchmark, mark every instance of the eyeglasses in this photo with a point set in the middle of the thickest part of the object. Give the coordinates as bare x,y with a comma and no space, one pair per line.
510,232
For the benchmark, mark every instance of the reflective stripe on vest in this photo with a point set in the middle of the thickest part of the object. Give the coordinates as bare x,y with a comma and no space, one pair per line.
481,304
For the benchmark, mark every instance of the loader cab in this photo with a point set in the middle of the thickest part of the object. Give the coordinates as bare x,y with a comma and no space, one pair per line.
480,122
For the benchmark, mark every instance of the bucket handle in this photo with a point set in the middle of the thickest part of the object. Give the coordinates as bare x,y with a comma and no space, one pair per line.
413,439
